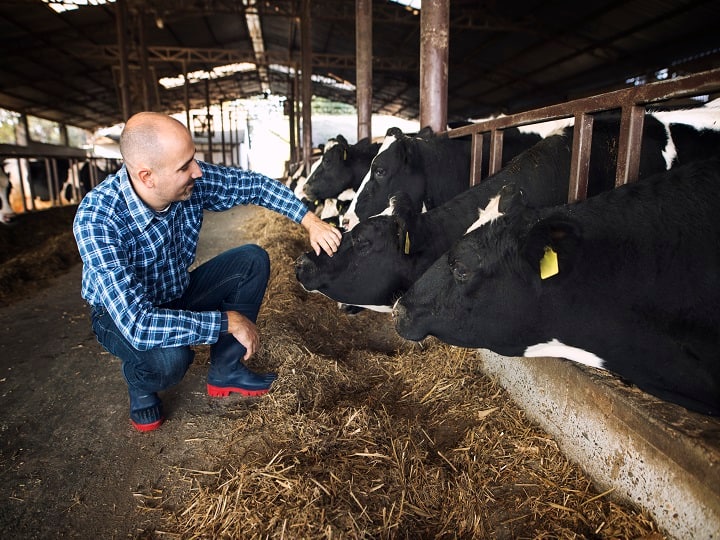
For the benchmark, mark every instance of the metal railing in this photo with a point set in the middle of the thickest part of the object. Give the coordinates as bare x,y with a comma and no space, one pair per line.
631,101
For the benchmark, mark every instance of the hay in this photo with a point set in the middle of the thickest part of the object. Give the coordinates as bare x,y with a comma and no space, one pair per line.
368,436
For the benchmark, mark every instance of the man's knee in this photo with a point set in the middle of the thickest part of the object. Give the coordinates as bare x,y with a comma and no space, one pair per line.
158,369
260,259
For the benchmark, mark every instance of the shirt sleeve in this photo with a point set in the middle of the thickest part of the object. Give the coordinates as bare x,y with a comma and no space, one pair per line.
107,265
228,186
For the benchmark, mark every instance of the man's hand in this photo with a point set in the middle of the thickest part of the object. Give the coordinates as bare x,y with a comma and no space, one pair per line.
245,331
322,235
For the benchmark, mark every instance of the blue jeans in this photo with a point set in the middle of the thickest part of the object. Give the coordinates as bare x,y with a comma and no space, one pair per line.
236,278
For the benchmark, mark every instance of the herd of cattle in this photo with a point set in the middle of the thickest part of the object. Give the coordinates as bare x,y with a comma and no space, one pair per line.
47,181
627,280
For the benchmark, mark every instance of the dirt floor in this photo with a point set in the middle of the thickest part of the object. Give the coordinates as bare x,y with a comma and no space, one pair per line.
360,438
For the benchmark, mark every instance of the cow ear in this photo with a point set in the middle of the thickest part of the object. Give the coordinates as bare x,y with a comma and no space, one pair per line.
551,247
426,133
402,211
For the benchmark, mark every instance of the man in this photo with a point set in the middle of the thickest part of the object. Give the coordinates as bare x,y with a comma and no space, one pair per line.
137,234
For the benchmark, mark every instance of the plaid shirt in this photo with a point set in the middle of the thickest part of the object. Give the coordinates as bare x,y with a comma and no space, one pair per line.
136,259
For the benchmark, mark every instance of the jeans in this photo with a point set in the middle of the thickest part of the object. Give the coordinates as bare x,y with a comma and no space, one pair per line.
236,278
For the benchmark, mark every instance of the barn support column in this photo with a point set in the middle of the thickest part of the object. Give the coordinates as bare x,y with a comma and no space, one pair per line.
306,84
222,133
186,87
144,66
124,85
289,109
208,121
230,135
296,111
434,46
363,68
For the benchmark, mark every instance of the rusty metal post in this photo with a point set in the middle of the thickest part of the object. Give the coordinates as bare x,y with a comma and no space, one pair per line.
363,67
144,65
580,162
629,143
208,123
476,163
120,26
187,95
434,47
290,111
496,146
222,133
306,84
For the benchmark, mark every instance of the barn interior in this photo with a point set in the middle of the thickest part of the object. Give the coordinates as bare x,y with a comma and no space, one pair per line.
62,61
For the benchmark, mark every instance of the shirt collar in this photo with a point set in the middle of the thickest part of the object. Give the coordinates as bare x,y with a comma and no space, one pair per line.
141,213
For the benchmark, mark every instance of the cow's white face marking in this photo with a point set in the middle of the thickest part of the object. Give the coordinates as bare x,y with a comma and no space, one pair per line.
300,188
485,215
556,349
329,209
351,219
346,195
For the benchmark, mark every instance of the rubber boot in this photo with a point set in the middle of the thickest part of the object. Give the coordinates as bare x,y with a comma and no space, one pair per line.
228,373
146,411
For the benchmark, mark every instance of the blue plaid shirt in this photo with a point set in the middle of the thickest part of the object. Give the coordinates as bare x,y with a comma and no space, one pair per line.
136,259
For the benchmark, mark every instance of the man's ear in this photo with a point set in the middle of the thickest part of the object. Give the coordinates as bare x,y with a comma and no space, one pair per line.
552,246
145,176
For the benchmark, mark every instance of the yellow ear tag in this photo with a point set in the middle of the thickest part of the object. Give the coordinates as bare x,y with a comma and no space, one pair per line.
407,243
549,264
344,155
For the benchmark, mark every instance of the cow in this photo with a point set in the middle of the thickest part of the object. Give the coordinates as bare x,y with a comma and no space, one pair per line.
341,168
7,216
691,144
91,173
431,168
41,187
382,256
627,281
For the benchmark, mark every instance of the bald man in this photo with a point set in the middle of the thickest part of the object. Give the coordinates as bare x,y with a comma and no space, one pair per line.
137,234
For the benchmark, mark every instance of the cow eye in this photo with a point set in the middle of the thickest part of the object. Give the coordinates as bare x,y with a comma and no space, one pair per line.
361,244
460,272
380,172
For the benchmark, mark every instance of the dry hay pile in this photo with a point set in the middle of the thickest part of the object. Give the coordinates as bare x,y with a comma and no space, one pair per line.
367,436
37,247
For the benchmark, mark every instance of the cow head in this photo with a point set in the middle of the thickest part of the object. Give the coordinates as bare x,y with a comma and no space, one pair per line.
487,290
333,173
397,167
372,266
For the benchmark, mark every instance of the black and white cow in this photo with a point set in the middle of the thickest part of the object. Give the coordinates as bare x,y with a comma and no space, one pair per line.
382,256
342,167
7,215
628,281
90,174
42,175
431,168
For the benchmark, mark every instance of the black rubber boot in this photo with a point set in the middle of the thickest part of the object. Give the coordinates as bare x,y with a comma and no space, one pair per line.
228,373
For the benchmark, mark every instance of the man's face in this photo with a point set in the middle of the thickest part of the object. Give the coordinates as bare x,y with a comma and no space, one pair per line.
176,171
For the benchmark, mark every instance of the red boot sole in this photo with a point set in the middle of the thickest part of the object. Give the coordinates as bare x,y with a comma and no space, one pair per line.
217,391
147,427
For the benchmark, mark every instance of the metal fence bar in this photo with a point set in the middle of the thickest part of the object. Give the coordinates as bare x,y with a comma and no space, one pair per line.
631,101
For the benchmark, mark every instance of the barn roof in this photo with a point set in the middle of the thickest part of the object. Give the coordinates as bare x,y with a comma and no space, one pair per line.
505,57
